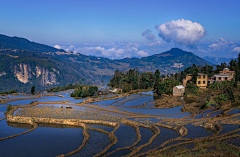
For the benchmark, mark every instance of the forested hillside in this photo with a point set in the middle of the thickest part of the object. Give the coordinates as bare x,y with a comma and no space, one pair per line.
24,64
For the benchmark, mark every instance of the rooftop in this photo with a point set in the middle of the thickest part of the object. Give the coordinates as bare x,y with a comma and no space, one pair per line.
198,74
180,87
221,75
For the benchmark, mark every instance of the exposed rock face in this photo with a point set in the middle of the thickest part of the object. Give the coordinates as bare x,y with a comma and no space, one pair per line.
2,73
24,73
47,77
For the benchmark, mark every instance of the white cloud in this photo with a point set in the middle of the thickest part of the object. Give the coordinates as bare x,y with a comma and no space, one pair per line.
181,31
142,53
112,53
236,49
71,48
57,47
220,44
154,43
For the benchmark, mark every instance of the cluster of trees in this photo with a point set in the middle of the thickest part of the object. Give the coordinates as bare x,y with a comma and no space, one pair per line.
84,92
9,92
132,80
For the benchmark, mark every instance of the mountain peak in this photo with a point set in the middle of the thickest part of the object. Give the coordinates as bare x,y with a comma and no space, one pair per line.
176,49
176,52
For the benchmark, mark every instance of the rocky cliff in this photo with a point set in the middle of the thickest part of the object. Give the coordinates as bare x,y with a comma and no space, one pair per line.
25,73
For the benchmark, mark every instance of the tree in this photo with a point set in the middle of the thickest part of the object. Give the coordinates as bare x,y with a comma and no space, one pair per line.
156,76
236,77
233,65
194,74
33,90
163,76
238,61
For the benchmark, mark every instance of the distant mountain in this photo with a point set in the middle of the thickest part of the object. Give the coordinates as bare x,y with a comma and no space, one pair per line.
43,67
218,60
7,42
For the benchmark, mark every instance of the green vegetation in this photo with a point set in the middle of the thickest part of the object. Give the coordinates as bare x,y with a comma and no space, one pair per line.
24,44
9,92
166,86
132,80
79,69
33,90
9,108
84,91
191,88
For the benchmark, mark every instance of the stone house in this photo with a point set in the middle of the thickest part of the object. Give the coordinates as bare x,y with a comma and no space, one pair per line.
178,90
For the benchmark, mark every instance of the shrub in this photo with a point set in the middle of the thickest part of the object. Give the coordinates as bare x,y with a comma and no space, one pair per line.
191,88
220,99
166,86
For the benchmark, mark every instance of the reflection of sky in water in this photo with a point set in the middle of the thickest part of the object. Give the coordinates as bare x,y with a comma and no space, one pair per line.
165,135
198,116
196,132
228,128
2,115
97,142
107,102
76,101
43,141
179,115
6,130
126,136
168,111
20,96
215,113
149,92
138,102
3,109
234,111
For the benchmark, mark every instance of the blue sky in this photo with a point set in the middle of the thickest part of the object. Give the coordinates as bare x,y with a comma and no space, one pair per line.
115,29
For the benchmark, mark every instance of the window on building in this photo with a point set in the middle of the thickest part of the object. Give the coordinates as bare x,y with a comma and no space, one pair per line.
199,77
203,76
199,82
203,82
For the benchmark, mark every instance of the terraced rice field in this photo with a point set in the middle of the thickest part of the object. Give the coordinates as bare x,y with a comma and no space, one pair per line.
127,126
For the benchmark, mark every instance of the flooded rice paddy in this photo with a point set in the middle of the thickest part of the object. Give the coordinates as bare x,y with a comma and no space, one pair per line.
131,125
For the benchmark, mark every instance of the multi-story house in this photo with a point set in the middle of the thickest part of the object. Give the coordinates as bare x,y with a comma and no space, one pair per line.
225,75
202,80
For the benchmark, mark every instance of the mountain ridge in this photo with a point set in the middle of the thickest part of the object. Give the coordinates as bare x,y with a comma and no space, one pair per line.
19,43
56,69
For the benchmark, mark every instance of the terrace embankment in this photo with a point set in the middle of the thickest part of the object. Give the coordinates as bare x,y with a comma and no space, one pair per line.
76,122
78,116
